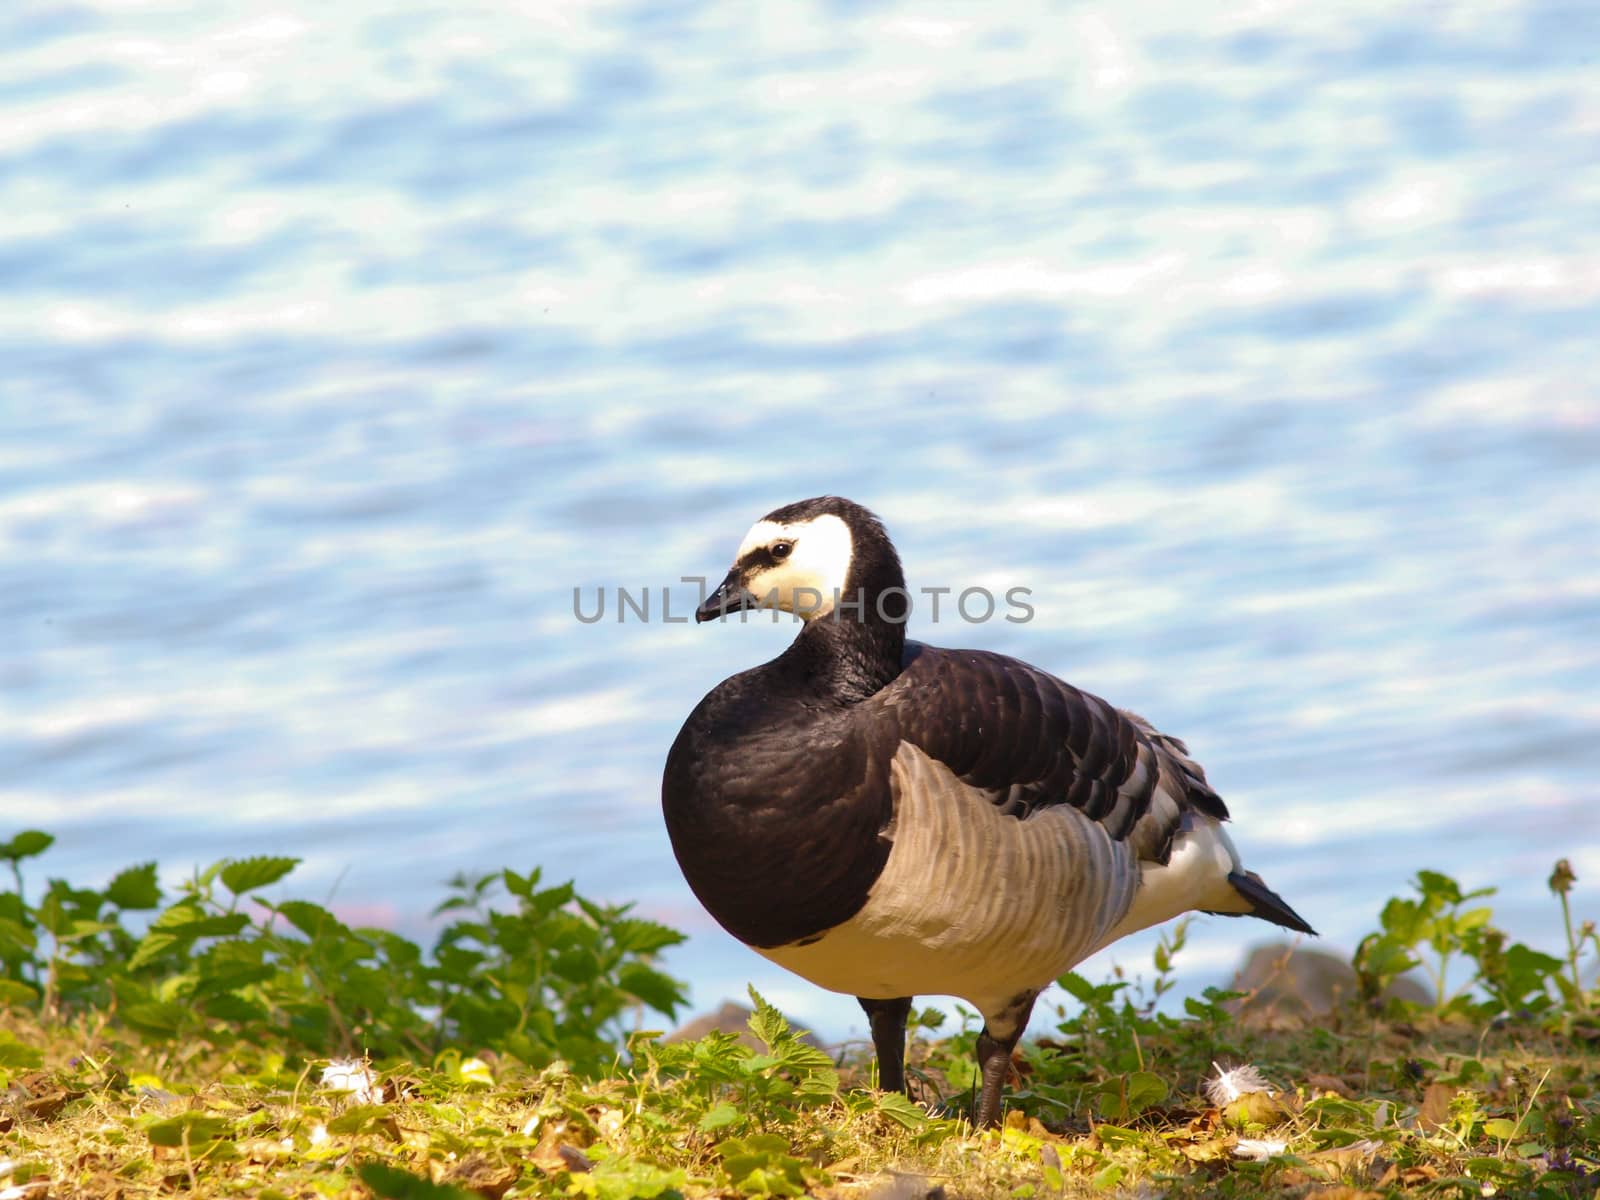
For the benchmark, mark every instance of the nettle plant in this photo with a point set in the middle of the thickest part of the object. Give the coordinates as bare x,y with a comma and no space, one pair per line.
1440,926
551,976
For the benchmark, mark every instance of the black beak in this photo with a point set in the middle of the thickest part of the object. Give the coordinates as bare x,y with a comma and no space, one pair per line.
729,597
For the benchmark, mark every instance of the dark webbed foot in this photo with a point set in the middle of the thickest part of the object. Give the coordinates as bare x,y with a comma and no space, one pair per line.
888,1020
1001,1033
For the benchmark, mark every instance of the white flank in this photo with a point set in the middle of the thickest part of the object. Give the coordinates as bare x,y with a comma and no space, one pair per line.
1195,877
972,903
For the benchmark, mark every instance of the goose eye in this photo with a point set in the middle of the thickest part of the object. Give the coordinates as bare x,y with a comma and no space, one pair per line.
780,550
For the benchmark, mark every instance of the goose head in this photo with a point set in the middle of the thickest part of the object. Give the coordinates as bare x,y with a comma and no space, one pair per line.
804,557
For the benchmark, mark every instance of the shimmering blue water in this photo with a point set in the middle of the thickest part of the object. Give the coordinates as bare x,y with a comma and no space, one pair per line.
340,343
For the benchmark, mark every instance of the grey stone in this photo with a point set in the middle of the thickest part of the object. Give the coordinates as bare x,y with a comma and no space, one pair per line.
1285,982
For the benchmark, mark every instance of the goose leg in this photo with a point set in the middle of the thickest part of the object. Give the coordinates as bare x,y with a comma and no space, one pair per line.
1001,1033
888,1021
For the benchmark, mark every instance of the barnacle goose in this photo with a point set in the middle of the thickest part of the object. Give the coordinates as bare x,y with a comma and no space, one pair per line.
887,818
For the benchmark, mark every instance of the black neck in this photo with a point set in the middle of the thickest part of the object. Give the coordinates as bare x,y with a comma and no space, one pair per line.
855,650
845,660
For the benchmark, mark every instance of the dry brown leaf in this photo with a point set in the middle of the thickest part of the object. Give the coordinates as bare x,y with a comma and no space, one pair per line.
40,1096
1344,1158
1206,1121
546,1154
48,1105
1211,1150
486,1175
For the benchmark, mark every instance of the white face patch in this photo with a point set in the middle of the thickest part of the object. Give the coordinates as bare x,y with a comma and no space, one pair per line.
809,581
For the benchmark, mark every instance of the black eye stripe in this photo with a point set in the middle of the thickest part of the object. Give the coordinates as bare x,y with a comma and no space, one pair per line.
763,557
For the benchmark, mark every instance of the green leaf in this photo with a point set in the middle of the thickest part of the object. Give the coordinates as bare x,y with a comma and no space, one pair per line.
766,1022
1076,986
53,913
194,1128
618,1178
77,931
187,919
1108,1177
391,1183
1436,886
14,991
360,1118
644,937
152,946
16,936
772,1181
900,1109
27,844
962,1073
135,888
232,964
1500,1129
1402,920
310,919
160,1017
15,1054
1118,1135
660,992
929,1018
248,874
1145,1090
796,1055
761,1165
234,1008
719,1117
1380,958
1491,1169
542,904
220,925
578,966
1522,960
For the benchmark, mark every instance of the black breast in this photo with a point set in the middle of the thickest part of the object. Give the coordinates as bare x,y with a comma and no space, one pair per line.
775,811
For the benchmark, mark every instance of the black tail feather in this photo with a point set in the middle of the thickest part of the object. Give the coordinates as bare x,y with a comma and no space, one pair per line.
1266,903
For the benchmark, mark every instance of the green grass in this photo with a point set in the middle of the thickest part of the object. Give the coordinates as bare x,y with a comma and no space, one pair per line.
184,1053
